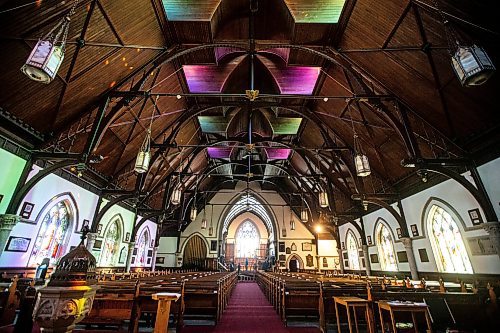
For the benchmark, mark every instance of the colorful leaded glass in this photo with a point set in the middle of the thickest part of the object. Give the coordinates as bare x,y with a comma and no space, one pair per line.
142,248
386,248
449,248
352,251
247,240
110,247
52,235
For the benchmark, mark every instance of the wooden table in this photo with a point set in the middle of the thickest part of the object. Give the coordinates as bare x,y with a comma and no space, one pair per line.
354,302
413,308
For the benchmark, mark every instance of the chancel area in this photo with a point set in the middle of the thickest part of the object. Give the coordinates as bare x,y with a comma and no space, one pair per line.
300,166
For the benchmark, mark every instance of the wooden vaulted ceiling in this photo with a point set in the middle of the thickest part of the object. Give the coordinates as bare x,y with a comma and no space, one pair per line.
394,49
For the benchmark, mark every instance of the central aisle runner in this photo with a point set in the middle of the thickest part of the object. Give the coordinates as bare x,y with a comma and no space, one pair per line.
249,311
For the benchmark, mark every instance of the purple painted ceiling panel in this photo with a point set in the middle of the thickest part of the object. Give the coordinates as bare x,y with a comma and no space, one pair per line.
277,153
219,152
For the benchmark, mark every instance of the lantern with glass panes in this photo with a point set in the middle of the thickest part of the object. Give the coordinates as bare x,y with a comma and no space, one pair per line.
48,54
175,199
304,216
144,155
283,230
204,219
470,62
292,221
211,228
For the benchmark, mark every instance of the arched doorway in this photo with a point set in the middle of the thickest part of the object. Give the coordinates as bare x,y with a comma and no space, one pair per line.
295,263
195,252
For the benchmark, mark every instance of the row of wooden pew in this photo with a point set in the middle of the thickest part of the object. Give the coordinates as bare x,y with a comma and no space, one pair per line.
310,296
124,300
202,295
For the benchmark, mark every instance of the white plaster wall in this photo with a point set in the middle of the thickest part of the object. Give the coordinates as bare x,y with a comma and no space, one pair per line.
48,188
167,249
455,196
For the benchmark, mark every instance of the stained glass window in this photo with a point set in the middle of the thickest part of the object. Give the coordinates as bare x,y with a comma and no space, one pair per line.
386,248
142,248
352,251
52,235
448,245
111,244
247,240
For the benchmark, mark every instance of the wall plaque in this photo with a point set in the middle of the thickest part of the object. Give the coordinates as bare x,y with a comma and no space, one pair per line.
160,260
424,257
309,261
17,244
481,245
402,256
306,247
97,244
374,258
281,246
213,245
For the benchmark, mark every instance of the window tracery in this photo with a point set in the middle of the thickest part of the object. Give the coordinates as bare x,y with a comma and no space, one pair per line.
385,245
247,240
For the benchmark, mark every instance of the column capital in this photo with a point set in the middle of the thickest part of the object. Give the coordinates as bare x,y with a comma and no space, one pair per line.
407,242
492,228
8,221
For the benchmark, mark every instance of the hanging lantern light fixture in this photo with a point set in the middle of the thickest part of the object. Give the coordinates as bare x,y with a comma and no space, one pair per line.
283,230
470,62
47,55
194,212
292,221
175,199
323,199
304,217
144,154
204,220
211,228
360,160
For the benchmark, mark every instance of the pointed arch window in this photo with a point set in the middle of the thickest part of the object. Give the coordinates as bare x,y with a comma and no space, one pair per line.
385,245
53,234
247,240
111,244
447,243
352,251
142,248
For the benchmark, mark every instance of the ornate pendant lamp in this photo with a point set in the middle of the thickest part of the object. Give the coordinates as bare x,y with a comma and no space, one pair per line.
304,217
47,55
283,229
292,221
204,220
470,62
144,154
211,228
194,211
175,199
323,199
361,162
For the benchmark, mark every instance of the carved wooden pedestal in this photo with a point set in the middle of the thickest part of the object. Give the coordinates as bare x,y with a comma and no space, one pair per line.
164,300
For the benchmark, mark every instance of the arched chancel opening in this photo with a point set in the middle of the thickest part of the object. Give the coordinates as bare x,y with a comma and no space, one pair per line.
447,242
111,243
352,251
385,246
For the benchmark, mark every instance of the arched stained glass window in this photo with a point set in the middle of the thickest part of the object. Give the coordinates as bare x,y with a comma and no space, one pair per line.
385,247
111,244
142,248
352,251
52,235
447,243
247,240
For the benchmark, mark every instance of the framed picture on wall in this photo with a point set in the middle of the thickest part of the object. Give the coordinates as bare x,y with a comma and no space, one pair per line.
293,247
414,230
160,260
374,258
288,250
99,228
133,260
398,232
127,237
475,216
213,245
150,253
306,247
309,261
282,257
27,209
325,262
281,247
149,261
369,240
135,251
17,244
79,228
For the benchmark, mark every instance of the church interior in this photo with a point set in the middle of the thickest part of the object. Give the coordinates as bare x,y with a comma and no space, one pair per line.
305,166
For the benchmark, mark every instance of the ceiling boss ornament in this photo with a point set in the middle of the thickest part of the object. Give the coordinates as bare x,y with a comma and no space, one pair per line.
48,54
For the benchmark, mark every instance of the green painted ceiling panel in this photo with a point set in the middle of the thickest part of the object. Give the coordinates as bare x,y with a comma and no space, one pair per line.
213,124
315,11
285,125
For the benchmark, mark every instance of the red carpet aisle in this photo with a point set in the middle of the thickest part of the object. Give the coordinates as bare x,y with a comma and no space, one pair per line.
249,311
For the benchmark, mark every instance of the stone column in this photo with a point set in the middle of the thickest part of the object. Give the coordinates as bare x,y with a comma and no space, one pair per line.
153,260
318,263
368,266
408,244
7,223
129,256
91,237
341,260
493,230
